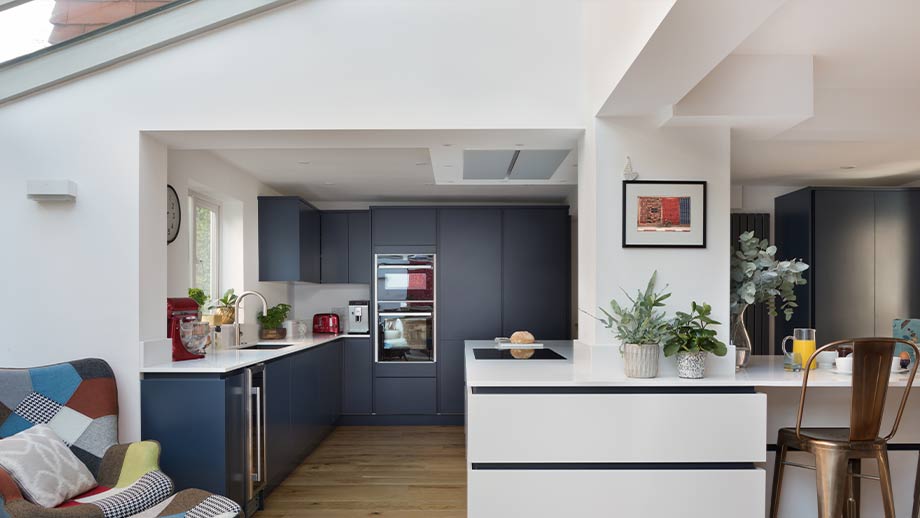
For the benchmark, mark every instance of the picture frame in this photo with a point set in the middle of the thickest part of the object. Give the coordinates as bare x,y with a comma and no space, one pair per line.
664,214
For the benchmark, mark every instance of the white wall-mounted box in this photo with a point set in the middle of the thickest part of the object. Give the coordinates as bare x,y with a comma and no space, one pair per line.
51,190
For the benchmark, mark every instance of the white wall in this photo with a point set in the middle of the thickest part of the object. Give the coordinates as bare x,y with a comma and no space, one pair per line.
237,191
663,154
309,299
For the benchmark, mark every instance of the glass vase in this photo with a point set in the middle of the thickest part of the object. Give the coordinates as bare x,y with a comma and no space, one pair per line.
741,339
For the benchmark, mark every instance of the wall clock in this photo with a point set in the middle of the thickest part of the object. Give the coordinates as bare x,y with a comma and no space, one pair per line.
173,214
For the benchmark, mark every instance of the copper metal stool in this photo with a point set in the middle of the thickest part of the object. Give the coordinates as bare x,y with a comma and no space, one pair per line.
838,451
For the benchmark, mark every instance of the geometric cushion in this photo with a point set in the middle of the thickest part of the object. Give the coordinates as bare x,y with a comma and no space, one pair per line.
77,399
45,470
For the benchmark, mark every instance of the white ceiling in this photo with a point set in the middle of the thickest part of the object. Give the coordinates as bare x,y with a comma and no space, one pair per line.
385,165
866,95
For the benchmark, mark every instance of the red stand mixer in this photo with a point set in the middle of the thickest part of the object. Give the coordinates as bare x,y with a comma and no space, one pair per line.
180,310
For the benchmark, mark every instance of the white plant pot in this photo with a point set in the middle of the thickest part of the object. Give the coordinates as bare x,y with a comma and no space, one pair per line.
641,360
691,365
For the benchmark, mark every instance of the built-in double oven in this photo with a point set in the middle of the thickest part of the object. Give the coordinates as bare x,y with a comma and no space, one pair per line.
404,297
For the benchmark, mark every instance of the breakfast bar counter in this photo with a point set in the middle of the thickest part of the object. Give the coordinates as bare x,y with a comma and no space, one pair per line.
576,437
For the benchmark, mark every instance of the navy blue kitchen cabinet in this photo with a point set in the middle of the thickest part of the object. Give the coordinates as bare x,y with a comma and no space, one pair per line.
451,381
290,245
346,247
357,376
536,272
359,247
469,273
281,454
335,247
404,226
405,396
199,422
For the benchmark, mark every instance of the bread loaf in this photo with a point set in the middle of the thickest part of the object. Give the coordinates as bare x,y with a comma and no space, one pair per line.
522,337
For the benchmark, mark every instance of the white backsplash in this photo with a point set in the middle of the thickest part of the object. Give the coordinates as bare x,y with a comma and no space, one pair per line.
309,299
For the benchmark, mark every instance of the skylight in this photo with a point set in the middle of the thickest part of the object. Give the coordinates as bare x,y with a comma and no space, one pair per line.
27,27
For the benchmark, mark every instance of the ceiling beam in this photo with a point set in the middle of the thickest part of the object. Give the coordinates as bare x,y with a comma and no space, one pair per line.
694,37
759,96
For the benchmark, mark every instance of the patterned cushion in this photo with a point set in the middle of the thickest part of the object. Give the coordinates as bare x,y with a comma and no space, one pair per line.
44,469
77,399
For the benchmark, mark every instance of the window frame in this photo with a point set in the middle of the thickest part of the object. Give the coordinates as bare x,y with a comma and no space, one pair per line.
196,200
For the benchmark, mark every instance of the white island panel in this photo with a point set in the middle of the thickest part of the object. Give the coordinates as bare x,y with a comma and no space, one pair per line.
616,493
621,428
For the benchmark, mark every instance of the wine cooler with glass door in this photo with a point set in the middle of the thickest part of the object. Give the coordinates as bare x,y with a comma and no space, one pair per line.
405,302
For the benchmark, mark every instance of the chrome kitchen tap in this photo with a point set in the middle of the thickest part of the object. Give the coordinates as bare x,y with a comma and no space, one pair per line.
236,312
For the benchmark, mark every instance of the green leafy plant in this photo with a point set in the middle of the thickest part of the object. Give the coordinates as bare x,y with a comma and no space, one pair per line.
274,317
227,301
639,322
756,276
199,296
690,332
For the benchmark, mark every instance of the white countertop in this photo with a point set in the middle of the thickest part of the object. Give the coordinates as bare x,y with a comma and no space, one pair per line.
228,360
601,366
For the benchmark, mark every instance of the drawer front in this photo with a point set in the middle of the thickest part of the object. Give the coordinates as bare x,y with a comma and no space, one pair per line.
405,396
628,493
616,428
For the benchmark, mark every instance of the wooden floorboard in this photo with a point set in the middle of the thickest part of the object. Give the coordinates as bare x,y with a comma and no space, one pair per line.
378,471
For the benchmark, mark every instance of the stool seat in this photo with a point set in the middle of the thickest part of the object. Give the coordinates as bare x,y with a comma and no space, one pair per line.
826,438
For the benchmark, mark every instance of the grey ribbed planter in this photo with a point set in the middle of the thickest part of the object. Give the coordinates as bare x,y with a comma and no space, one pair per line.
641,360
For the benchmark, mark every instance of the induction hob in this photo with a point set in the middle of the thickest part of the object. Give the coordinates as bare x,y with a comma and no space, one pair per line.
504,354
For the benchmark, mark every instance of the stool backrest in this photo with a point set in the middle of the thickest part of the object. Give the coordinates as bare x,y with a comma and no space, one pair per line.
871,374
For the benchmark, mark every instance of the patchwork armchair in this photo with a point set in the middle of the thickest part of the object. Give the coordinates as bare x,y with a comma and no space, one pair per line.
78,400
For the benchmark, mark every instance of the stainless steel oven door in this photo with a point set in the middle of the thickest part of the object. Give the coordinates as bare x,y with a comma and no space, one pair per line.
405,337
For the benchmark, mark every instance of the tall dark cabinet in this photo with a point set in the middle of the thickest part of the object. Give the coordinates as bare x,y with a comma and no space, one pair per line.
863,255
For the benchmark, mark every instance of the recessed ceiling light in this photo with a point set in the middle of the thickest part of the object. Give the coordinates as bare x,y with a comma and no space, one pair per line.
447,145
328,183
848,167
421,163
304,163
448,165
519,145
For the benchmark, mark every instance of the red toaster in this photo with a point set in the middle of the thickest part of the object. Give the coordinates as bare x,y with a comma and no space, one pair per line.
326,323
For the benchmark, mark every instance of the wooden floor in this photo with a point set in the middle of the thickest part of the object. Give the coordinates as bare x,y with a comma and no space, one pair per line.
388,471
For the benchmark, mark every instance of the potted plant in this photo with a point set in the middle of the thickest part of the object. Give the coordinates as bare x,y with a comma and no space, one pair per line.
224,313
199,296
690,338
756,277
641,328
272,322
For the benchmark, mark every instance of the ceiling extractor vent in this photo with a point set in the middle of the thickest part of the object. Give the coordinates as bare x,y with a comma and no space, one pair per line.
502,164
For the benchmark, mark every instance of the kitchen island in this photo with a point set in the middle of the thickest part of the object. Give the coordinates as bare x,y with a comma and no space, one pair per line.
575,437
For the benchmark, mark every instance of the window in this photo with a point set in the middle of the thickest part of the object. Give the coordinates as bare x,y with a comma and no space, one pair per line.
204,237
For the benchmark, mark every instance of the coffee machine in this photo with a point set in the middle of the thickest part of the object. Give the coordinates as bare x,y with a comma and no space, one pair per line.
357,321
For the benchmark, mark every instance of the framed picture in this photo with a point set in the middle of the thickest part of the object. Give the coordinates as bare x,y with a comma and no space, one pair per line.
664,214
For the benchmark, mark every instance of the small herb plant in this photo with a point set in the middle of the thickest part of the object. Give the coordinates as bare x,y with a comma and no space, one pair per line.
199,296
640,322
227,301
756,276
275,316
690,332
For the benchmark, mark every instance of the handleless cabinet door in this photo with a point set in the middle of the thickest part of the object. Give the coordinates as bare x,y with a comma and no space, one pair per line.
844,264
897,254
281,456
310,244
335,247
357,376
451,380
359,247
404,226
536,272
469,273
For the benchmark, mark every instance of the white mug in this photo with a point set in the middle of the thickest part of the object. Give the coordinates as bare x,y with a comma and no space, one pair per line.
826,359
845,364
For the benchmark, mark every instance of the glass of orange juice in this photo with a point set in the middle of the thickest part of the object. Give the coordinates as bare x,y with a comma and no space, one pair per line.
803,346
